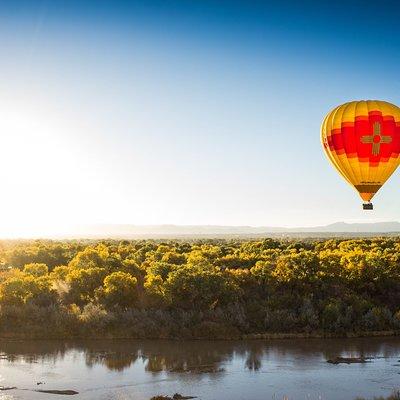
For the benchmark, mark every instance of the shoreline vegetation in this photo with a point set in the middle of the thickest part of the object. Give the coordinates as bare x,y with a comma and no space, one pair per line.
251,336
200,289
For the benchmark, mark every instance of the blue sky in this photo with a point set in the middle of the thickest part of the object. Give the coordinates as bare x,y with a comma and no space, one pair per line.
186,112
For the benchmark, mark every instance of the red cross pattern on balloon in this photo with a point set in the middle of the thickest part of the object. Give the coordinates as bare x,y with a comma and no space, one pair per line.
376,138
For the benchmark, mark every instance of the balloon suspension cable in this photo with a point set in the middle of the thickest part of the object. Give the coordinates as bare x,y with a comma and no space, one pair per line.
368,206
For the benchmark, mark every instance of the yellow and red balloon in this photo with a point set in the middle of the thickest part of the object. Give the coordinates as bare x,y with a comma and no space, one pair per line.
362,140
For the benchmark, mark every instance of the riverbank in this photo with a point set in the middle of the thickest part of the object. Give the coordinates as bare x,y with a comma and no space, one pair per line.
254,336
319,335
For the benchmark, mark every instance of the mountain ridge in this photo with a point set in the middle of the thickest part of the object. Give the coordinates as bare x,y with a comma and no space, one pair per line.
171,230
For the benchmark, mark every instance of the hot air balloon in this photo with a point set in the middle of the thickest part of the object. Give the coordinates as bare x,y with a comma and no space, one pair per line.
362,141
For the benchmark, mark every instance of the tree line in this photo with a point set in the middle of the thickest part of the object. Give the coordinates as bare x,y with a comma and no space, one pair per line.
198,288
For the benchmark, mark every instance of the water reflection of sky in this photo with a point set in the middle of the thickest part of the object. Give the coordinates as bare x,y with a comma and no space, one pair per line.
235,370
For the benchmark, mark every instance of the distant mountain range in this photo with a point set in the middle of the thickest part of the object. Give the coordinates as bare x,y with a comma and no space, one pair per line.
178,231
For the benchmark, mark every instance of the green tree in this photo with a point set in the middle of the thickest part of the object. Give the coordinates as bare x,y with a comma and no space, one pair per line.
199,287
27,289
83,284
60,273
300,267
36,269
172,257
90,258
119,290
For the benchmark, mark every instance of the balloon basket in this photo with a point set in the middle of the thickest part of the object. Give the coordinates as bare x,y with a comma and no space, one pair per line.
368,206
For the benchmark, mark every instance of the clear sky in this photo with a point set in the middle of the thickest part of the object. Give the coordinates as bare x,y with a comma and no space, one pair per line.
185,112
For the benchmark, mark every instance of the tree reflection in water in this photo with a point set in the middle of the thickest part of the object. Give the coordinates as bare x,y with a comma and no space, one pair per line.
113,361
254,358
192,356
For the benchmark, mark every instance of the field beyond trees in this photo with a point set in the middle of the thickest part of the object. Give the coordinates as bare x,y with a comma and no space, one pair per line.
198,289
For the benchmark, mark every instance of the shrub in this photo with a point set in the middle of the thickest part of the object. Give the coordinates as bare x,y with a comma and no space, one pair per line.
36,269
27,289
119,290
83,284
201,287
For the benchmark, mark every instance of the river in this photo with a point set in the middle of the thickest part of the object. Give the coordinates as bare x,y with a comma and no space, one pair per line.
210,370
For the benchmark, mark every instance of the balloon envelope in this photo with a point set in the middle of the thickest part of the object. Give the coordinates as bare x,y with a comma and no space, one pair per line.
362,141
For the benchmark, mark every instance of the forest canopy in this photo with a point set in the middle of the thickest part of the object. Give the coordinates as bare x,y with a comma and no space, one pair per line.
199,288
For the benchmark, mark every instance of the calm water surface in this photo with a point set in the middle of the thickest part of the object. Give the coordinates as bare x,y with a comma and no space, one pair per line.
245,370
